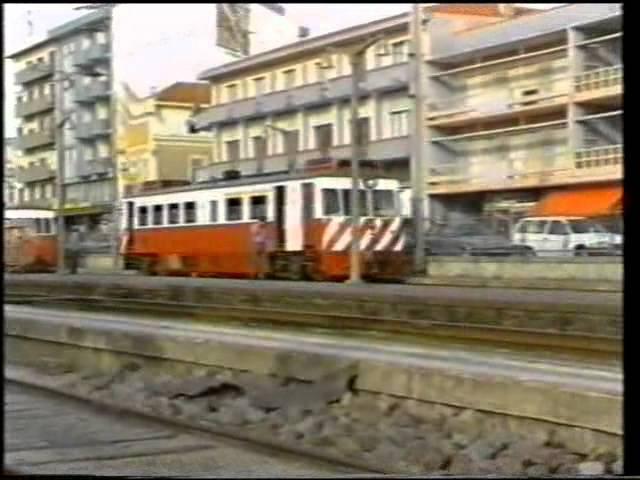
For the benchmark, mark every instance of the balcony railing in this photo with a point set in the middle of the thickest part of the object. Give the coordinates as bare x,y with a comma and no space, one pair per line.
379,80
91,92
598,156
34,173
462,107
36,139
33,72
455,178
95,53
96,167
600,78
36,105
389,149
93,129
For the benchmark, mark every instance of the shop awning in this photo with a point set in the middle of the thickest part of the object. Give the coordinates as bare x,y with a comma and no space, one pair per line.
583,202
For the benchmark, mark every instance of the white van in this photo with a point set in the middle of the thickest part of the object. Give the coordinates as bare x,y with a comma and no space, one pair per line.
549,236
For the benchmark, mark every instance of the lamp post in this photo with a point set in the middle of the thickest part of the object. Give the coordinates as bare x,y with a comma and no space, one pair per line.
418,195
356,59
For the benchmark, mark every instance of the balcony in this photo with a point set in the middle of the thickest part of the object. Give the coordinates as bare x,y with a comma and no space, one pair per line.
457,179
603,86
91,92
38,203
36,105
95,128
588,158
33,73
95,53
34,173
379,80
460,111
389,149
36,139
95,168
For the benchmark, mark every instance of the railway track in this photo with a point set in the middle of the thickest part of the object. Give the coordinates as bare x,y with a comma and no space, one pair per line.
106,438
563,344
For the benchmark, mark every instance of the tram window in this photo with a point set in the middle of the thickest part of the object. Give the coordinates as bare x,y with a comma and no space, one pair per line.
143,219
258,207
330,202
383,203
46,225
346,201
157,214
190,212
174,214
213,211
38,225
234,209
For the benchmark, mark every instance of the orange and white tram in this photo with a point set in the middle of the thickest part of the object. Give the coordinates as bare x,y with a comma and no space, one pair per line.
207,229
30,242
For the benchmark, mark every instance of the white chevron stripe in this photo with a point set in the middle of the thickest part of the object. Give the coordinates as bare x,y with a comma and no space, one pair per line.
384,241
344,240
329,231
368,235
400,245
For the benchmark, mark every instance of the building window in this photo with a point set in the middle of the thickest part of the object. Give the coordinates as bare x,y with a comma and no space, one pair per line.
232,92
42,192
196,162
213,211
399,123
399,52
259,147
174,214
233,150
260,85
234,209
258,207
330,201
158,211
289,77
320,71
323,135
143,216
190,212
363,134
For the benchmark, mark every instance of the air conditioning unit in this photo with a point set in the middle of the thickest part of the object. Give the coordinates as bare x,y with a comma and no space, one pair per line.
231,174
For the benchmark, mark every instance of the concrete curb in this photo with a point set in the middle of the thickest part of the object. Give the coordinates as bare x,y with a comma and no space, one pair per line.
577,286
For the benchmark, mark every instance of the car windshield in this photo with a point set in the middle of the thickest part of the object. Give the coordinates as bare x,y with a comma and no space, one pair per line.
586,226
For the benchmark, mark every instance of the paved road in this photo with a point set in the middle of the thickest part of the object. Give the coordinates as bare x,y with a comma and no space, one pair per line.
50,434
392,291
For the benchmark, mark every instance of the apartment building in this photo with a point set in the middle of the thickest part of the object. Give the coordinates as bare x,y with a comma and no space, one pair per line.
519,103
64,82
525,110
287,106
10,159
153,144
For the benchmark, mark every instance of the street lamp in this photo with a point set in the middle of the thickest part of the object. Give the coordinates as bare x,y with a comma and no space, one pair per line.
418,196
61,79
358,74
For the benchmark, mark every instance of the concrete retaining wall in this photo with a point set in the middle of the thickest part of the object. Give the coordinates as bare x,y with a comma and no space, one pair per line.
98,344
575,269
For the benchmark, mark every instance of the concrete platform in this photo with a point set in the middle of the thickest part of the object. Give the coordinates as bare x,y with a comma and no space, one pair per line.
586,396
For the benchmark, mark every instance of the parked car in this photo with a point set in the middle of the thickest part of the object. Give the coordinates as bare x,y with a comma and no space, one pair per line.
564,235
469,239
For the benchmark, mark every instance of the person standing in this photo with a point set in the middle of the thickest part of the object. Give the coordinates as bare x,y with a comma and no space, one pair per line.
259,235
74,250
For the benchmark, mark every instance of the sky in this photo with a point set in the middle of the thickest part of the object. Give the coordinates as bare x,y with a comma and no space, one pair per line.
28,23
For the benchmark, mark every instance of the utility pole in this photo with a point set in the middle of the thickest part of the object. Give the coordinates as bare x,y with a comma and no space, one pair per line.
418,196
358,71
59,138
